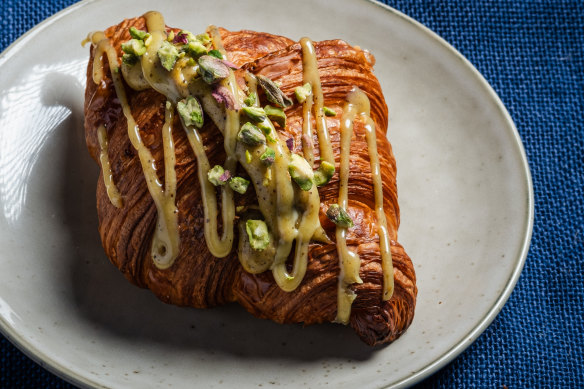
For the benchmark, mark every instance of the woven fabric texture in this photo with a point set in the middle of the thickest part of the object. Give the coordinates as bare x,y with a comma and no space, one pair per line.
532,53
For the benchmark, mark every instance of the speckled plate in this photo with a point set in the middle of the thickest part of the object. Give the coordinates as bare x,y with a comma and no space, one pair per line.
464,189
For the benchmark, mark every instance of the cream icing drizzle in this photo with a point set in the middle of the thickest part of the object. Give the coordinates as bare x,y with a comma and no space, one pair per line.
112,190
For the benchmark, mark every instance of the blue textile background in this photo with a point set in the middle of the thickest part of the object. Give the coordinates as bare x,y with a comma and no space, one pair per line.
532,53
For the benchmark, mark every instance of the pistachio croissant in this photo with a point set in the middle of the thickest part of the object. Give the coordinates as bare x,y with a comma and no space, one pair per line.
199,279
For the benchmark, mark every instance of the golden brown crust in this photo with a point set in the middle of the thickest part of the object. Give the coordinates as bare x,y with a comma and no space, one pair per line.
197,278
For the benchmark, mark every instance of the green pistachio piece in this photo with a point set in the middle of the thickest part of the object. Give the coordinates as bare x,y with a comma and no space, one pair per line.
324,173
168,54
247,156
134,46
216,54
276,114
190,111
329,112
195,49
129,59
251,135
268,157
267,177
138,34
273,92
250,99
170,36
187,34
239,184
257,231
339,216
204,38
212,69
302,92
301,172
267,129
218,176
256,114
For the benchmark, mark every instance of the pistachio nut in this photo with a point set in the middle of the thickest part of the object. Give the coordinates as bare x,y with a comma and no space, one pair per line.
339,216
268,157
273,92
276,114
301,172
190,111
239,184
256,114
168,54
257,231
302,92
251,135
324,173
212,69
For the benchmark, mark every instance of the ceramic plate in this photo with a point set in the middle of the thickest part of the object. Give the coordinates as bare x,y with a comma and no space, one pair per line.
464,190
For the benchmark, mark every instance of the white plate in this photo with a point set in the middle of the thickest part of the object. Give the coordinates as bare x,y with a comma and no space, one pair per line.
464,189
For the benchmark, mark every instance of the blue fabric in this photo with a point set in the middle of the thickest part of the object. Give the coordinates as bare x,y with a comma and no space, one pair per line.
531,52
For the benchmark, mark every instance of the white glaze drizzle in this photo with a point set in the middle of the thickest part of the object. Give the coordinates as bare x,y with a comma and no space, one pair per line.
112,190
165,243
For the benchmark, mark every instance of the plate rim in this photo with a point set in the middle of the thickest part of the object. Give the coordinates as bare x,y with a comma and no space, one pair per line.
62,371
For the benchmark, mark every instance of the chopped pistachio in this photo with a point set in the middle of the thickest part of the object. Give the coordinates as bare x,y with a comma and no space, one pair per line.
195,49
190,111
129,59
218,176
329,112
339,216
324,173
250,99
257,231
204,38
256,114
268,157
216,54
301,172
251,135
138,34
212,69
247,156
302,92
239,184
223,95
134,46
267,177
183,37
276,114
267,129
273,92
191,62
168,55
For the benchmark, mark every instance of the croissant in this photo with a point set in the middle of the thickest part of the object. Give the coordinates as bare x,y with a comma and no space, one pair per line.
206,198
